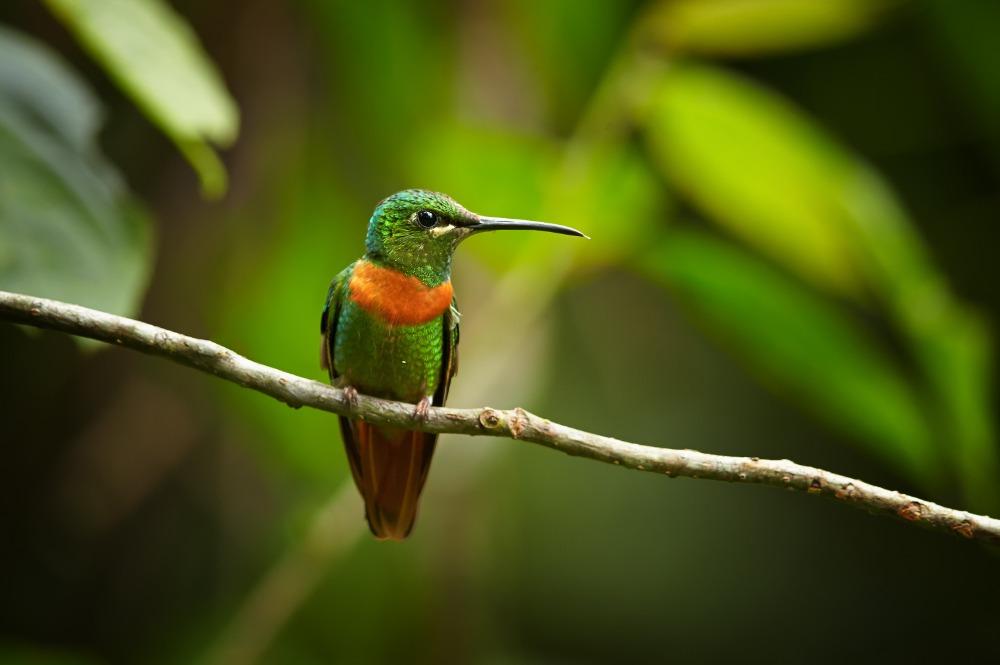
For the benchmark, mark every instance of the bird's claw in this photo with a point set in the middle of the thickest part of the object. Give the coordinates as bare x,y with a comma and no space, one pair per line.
422,409
351,397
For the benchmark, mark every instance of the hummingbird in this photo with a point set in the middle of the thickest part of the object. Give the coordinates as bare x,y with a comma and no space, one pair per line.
390,330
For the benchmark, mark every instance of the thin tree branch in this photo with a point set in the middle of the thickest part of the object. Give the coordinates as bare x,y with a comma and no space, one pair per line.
514,424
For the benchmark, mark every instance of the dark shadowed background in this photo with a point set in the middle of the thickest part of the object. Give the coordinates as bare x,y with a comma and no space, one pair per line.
793,208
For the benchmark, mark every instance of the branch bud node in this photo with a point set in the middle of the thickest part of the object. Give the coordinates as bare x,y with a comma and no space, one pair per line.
913,511
490,419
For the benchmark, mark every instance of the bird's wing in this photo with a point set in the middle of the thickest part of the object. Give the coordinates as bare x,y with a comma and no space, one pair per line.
449,353
331,315
328,329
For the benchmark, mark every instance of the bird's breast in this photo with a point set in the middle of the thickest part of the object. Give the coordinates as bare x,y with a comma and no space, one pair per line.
397,298
400,362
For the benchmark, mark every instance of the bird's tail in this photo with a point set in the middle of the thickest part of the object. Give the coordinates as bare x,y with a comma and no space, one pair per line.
389,466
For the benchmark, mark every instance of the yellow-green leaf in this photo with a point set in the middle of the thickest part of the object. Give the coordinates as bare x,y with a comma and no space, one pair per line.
156,58
760,27
759,168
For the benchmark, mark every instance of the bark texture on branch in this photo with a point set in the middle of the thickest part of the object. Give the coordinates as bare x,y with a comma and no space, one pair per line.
514,424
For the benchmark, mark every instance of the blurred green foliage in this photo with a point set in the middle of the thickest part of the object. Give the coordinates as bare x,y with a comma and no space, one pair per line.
765,173
757,168
666,132
804,343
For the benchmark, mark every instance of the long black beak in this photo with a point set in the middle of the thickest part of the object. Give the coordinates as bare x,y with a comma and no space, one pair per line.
504,224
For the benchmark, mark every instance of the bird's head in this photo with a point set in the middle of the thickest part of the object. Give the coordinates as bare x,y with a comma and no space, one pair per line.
416,231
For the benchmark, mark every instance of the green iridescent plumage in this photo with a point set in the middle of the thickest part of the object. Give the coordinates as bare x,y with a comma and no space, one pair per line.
390,329
401,362
394,240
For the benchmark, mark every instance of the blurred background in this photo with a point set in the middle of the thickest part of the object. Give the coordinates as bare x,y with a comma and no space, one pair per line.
793,208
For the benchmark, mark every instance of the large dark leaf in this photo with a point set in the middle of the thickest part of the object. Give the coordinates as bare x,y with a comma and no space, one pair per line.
68,229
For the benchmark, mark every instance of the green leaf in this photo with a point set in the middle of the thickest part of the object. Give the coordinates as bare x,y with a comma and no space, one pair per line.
760,27
800,342
757,167
951,344
156,58
954,348
766,173
32,78
68,230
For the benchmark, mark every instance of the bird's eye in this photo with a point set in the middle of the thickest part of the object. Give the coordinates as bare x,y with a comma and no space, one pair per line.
426,219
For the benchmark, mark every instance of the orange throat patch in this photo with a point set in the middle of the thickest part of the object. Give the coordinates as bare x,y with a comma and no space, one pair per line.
396,298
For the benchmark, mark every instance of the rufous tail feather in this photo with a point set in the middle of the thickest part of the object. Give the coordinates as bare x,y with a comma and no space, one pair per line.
389,466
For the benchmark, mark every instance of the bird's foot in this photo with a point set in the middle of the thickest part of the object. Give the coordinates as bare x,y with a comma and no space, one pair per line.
351,396
422,409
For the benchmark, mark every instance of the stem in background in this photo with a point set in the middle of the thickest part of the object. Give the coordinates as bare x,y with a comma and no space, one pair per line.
272,601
